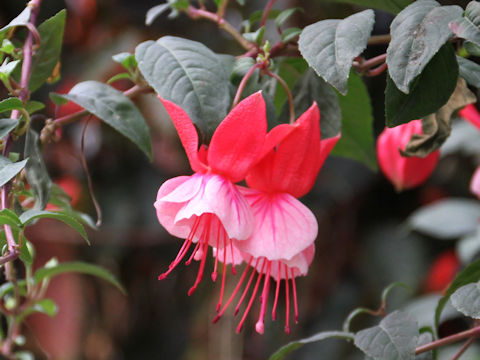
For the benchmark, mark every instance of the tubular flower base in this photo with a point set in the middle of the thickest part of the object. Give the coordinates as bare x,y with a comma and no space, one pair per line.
403,172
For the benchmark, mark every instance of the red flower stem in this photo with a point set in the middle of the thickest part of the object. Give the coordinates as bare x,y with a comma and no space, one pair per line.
243,83
195,13
221,9
363,65
291,106
377,71
131,93
473,332
464,348
268,7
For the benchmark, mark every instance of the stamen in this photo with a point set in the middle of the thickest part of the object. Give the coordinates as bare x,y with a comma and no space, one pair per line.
234,271
287,301
294,296
224,270
214,274
277,291
247,310
244,275
237,308
197,246
202,266
259,326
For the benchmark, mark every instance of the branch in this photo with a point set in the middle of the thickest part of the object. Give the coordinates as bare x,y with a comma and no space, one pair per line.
473,332
195,13
268,7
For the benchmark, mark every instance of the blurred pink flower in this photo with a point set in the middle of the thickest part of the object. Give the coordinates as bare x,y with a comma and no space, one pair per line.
281,245
475,183
207,208
471,114
403,172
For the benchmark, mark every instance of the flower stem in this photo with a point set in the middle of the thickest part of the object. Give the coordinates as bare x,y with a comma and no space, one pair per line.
268,7
243,83
195,13
291,106
473,332
464,348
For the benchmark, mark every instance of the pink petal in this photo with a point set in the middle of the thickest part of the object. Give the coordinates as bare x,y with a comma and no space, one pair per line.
471,113
475,183
299,263
187,133
284,227
238,256
239,138
167,211
220,197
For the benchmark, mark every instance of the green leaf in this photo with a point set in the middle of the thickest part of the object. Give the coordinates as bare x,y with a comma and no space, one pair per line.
25,254
36,171
468,27
436,127
47,56
7,46
357,140
115,109
285,15
126,59
290,34
20,20
155,12
189,74
421,100
310,88
446,219
24,355
77,267
45,306
8,217
393,6
9,170
329,46
120,76
471,48
256,36
467,300
33,106
241,66
468,275
7,125
10,104
8,67
418,32
286,349
394,338
470,71
57,99
290,70
31,215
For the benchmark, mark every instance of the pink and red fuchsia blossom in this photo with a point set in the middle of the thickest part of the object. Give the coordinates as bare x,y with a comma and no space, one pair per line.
264,225
403,172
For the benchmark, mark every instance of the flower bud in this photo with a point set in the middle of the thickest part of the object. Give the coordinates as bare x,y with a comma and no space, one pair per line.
403,172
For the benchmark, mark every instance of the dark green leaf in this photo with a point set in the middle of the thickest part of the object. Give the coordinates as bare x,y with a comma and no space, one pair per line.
8,170
468,275
446,219
470,71
310,88
395,338
31,215
20,20
469,26
393,6
290,34
471,48
115,109
436,127
285,350
421,100
467,300
7,125
10,104
329,46
189,74
46,57
36,171
418,32
155,12
77,267
357,140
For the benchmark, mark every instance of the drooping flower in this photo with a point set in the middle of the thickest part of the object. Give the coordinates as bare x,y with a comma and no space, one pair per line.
207,209
403,172
281,246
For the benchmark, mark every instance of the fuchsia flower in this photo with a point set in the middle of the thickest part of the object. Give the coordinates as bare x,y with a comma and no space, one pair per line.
403,172
471,114
207,209
281,245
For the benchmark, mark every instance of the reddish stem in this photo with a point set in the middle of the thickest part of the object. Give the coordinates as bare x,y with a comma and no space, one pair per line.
291,106
243,83
473,332
268,7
